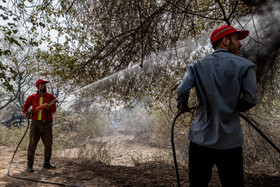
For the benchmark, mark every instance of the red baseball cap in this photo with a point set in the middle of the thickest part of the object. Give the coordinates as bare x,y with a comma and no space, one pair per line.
40,81
225,30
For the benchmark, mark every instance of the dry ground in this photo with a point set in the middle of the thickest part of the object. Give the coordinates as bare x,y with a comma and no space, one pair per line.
122,171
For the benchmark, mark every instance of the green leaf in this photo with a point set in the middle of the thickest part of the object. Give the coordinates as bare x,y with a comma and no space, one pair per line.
12,24
22,39
7,52
42,24
12,40
34,43
9,33
20,5
4,17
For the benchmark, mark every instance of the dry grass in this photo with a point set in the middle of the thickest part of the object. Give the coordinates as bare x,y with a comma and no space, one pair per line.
75,134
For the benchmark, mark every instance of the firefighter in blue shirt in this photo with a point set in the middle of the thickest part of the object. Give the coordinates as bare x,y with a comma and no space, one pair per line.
225,84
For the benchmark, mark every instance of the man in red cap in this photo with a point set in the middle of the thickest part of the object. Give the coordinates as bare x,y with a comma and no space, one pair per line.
41,125
225,85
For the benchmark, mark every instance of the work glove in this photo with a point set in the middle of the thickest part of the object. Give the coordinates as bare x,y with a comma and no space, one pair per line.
182,104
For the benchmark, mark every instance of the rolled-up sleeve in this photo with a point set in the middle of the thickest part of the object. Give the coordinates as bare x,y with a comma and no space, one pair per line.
249,90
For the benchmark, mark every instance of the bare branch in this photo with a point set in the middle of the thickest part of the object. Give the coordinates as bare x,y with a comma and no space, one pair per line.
223,11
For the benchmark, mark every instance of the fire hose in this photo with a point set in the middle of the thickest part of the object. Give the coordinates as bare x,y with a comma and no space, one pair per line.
173,144
30,113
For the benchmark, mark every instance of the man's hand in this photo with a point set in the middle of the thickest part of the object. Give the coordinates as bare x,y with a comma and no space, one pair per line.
48,105
182,105
27,116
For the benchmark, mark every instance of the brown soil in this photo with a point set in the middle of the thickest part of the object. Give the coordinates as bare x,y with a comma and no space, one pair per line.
81,172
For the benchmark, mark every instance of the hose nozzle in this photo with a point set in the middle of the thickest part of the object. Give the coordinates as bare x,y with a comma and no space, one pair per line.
41,107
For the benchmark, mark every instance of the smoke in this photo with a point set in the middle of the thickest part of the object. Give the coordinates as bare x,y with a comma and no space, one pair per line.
264,38
262,47
264,27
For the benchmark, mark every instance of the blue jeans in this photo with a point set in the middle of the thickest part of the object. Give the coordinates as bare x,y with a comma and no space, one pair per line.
228,161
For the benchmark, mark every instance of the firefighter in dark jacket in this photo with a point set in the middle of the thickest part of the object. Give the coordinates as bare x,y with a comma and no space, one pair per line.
41,125
225,85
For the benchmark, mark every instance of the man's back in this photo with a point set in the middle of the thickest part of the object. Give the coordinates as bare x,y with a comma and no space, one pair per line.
225,85
219,79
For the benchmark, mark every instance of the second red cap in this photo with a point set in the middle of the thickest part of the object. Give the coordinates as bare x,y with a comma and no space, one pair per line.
40,81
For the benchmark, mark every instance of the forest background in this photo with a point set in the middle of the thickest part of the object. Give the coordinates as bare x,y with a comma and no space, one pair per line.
115,65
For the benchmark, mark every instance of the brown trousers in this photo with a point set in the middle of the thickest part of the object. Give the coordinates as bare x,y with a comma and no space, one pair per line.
39,130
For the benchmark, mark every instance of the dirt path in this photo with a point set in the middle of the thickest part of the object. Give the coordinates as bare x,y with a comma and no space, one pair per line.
85,173
126,152
122,172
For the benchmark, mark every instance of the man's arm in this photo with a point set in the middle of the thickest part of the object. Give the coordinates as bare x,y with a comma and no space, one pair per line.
26,106
183,91
249,91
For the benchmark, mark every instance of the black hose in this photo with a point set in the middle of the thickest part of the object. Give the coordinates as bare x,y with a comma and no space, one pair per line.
34,180
16,150
173,148
260,132
245,118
